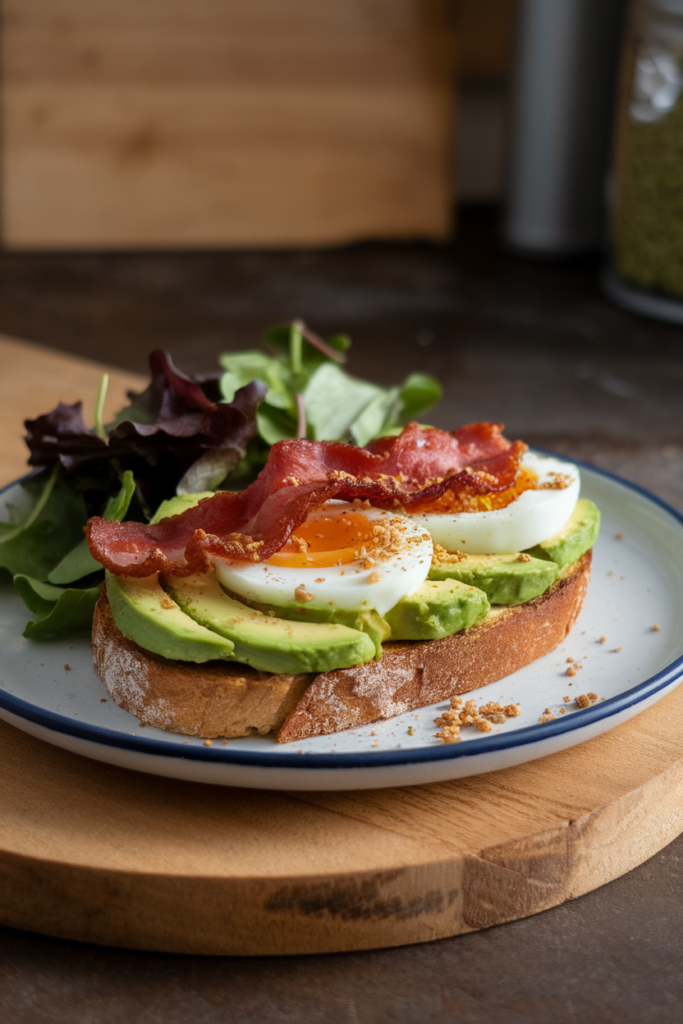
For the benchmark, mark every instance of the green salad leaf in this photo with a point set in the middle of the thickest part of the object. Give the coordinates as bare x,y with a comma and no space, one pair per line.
180,436
57,611
304,375
376,417
62,610
46,520
333,401
418,393
78,562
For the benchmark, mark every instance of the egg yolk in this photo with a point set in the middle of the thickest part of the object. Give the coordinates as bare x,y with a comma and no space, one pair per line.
468,501
327,540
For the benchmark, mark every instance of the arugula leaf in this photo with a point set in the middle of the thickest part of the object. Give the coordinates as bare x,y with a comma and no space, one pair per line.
340,342
46,520
118,506
58,612
419,392
78,562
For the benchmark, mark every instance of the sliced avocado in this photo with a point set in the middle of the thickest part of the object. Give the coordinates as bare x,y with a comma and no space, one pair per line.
179,503
367,620
576,536
503,578
268,643
437,609
145,614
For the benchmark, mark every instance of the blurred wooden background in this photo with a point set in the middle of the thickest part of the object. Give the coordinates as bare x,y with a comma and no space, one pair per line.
193,123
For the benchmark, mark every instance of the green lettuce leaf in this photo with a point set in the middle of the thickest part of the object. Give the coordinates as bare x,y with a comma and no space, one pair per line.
57,612
419,392
46,520
243,367
78,562
274,425
383,409
333,400
338,407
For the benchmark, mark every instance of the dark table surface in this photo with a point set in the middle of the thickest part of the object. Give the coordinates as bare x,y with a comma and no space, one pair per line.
532,344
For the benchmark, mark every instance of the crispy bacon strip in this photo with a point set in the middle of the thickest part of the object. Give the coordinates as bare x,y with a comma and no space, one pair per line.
299,476
419,454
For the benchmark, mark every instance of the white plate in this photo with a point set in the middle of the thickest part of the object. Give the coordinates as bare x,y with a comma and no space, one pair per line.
637,582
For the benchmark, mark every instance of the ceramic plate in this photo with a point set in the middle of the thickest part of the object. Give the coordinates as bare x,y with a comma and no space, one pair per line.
51,691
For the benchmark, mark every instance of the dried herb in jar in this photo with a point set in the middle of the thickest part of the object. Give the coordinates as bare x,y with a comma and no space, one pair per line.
649,222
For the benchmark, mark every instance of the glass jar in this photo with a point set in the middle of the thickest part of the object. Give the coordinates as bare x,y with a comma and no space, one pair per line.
646,202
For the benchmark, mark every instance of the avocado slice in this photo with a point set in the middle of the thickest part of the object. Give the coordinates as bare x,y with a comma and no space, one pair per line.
367,620
503,578
576,536
433,611
266,642
145,614
437,608
179,503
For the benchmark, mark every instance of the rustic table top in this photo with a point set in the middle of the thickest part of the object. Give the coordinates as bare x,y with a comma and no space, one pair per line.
532,344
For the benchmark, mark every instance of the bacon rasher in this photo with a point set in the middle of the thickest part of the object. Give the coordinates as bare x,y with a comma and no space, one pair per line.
418,465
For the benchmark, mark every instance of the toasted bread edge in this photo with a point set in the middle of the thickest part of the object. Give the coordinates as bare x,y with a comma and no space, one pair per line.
226,699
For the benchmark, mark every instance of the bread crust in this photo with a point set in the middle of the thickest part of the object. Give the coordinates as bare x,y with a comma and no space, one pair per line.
218,698
226,699
414,674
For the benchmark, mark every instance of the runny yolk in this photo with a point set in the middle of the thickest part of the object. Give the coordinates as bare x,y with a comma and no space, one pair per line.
468,502
327,540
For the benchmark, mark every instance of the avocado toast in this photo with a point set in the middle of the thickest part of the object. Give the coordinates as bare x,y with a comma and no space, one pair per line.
181,654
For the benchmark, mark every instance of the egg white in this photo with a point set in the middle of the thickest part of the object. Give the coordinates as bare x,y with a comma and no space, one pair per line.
532,517
343,586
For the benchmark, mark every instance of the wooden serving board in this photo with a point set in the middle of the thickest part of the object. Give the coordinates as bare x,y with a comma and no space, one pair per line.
102,854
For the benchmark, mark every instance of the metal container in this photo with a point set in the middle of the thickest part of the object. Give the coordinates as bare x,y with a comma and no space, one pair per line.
563,101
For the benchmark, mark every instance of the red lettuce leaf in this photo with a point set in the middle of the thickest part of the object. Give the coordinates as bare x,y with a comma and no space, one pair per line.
62,436
170,394
166,429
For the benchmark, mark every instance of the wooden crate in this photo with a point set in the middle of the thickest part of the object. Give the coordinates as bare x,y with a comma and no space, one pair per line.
151,123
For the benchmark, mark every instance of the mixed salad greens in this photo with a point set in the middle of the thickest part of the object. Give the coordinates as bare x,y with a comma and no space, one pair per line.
180,435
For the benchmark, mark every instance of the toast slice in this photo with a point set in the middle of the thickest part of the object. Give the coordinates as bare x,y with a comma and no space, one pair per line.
218,698
414,674
223,699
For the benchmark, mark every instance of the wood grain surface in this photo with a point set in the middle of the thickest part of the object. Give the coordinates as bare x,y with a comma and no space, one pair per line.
105,855
92,852
161,123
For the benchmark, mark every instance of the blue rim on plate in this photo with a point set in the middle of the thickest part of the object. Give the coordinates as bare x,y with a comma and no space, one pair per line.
271,759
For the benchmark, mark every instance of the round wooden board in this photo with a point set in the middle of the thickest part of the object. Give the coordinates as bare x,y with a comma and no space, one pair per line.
105,855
